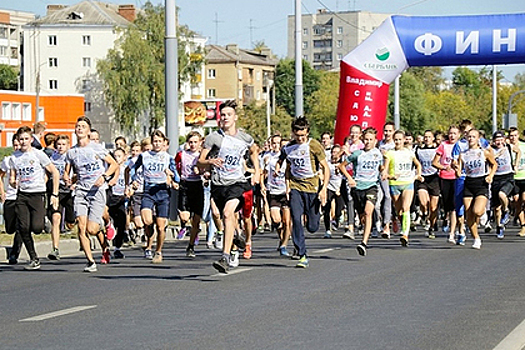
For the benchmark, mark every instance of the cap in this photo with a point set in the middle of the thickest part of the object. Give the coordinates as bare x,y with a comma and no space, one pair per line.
498,134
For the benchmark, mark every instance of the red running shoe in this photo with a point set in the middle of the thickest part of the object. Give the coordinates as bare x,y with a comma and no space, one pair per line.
106,257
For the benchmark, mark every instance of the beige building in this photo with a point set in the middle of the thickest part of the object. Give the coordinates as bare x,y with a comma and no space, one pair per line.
327,37
234,73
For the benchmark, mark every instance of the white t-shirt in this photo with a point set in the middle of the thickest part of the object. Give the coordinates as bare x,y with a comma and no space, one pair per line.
30,170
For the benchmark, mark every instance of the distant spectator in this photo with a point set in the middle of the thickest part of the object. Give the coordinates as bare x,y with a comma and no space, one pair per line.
38,132
49,140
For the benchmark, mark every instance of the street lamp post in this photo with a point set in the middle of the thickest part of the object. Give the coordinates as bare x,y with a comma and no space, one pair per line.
172,77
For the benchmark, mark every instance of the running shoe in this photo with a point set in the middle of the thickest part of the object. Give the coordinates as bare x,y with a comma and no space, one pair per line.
221,265
148,254
522,232
218,240
247,251
361,249
209,245
327,234
234,258
117,254
106,257
157,259
446,229
404,240
477,243
295,255
12,260
110,231
54,255
283,251
506,218
349,235
303,263
91,266
181,233
451,239
190,252
488,228
239,241
375,234
501,232
431,234
461,239
385,235
33,265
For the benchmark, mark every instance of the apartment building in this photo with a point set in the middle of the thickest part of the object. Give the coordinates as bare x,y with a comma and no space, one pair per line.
328,36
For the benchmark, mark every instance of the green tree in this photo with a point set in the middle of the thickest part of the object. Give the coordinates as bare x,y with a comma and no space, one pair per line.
285,84
431,77
323,104
413,113
133,72
8,77
253,119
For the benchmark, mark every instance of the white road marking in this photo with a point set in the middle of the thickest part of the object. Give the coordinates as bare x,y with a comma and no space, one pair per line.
515,340
58,313
233,272
320,251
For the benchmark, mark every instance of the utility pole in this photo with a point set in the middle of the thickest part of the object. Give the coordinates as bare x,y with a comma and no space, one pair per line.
172,77
216,21
251,32
298,62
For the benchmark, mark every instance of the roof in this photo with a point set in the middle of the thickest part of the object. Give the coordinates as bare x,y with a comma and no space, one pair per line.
87,12
219,54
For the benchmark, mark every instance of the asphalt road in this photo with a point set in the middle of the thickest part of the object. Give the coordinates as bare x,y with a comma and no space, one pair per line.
429,296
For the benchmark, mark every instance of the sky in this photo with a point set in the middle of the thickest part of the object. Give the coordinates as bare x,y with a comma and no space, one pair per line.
245,21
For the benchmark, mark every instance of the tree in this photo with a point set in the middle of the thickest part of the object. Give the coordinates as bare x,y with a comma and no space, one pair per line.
8,77
253,119
133,72
285,84
431,77
323,104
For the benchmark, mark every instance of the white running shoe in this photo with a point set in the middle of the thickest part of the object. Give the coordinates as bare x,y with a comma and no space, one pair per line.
477,244
234,258
218,240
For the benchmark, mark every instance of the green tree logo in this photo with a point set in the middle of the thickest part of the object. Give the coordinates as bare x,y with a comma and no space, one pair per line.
382,54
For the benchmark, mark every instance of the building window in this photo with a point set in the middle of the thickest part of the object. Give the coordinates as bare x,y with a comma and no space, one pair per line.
239,74
86,40
305,31
26,111
305,57
86,62
86,85
53,84
9,139
3,33
52,40
87,106
40,115
339,56
339,30
258,95
211,93
339,43
17,111
6,111
258,75
3,50
53,62
305,44
14,52
211,73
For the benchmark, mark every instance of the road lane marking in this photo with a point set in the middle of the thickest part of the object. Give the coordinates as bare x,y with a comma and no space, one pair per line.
58,313
515,339
321,251
233,272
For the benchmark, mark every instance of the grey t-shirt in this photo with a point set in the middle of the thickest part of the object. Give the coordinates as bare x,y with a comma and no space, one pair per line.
232,150
88,163
30,170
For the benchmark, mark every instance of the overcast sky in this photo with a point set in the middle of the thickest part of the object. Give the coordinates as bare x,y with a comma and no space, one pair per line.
269,17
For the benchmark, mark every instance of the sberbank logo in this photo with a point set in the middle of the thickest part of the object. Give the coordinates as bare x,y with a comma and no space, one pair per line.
382,54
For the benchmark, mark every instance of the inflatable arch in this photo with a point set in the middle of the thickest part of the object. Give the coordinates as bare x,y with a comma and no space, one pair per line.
404,41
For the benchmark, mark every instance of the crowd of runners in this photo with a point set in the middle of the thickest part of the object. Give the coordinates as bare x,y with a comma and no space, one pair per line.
364,188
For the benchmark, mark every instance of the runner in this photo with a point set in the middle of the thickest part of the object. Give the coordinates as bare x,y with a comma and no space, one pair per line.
274,187
8,197
519,178
224,151
87,160
65,199
428,190
398,170
367,165
476,190
443,162
385,199
303,156
191,191
157,167
116,202
503,183
333,193
28,167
